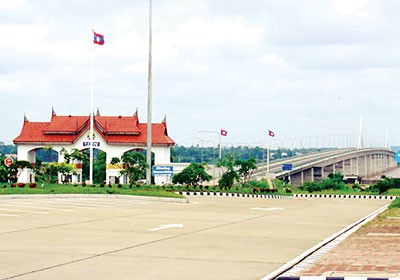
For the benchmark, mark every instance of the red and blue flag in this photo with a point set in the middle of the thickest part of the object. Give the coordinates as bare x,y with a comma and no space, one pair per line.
98,38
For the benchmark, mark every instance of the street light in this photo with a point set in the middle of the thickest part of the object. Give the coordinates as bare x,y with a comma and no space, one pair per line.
219,139
202,141
233,147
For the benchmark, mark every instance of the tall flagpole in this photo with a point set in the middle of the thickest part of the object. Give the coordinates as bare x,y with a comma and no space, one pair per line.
149,102
91,122
268,146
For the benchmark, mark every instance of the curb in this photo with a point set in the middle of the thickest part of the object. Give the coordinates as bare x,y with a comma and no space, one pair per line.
109,196
390,197
267,196
333,278
303,256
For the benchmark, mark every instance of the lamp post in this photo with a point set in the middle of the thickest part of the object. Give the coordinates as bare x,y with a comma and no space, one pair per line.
219,139
149,102
248,148
233,147
263,147
202,141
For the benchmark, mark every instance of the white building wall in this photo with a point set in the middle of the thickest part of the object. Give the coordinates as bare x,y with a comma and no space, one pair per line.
27,152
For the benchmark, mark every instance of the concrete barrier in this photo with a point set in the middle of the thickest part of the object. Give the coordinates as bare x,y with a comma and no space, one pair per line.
345,196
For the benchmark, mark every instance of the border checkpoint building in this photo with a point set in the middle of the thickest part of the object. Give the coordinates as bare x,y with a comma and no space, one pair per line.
113,135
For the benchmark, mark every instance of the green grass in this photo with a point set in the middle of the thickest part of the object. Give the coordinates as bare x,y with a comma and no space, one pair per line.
79,189
395,204
169,191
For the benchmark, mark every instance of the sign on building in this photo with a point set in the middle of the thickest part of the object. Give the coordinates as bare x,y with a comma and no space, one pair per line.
162,170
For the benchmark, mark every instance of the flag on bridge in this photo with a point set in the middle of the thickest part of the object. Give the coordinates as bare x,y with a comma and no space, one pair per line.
271,133
224,132
98,38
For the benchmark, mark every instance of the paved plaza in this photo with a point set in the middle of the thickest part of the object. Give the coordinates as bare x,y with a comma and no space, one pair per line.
206,238
372,251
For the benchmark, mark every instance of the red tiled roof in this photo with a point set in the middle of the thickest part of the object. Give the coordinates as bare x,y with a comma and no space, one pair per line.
115,130
118,125
66,124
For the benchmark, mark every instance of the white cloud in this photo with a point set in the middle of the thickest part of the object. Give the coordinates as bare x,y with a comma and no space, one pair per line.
247,66
275,59
200,32
350,8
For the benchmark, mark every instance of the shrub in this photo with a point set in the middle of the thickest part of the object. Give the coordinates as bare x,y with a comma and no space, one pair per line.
32,185
83,184
21,185
13,185
311,187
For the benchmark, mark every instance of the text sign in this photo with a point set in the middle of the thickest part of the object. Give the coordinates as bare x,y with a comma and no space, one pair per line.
287,166
162,170
95,144
8,161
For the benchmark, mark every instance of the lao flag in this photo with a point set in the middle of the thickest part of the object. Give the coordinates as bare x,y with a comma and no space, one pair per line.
271,133
224,132
98,38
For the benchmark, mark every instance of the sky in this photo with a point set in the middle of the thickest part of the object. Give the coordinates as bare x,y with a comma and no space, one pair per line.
309,70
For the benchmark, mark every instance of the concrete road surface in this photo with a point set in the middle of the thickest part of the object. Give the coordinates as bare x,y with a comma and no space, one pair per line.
208,238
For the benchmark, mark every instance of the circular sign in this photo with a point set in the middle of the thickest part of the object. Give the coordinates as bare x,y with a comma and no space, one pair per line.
88,136
8,161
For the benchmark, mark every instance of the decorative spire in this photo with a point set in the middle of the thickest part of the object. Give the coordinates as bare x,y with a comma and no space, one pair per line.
98,112
165,119
25,118
53,113
136,113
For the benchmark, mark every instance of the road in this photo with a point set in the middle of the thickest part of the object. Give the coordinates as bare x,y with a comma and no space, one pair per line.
207,238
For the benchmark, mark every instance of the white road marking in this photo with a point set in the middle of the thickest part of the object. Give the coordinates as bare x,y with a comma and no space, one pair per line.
266,209
24,211
9,215
37,207
161,227
71,204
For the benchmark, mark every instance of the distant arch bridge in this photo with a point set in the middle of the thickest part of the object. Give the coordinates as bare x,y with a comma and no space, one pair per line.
350,162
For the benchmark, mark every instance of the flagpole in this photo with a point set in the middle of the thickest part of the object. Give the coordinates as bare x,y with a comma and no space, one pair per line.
149,101
91,121
268,156
220,151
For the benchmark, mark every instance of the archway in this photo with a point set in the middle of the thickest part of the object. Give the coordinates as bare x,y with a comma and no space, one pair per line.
128,168
99,166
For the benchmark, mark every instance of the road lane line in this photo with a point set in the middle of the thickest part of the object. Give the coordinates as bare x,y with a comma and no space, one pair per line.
37,207
8,215
24,211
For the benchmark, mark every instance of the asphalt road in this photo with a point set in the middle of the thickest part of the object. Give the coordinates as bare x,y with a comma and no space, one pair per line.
207,238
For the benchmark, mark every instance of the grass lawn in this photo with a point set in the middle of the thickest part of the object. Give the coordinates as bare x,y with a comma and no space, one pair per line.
79,189
166,191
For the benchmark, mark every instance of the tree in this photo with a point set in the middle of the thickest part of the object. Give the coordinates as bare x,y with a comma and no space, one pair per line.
3,170
134,166
99,168
230,175
192,175
16,167
384,184
64,169
48,172
246,168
